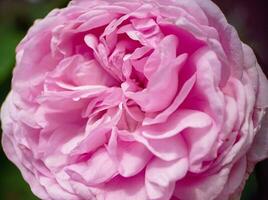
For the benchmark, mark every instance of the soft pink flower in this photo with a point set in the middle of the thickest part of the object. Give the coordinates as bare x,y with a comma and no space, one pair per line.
135,100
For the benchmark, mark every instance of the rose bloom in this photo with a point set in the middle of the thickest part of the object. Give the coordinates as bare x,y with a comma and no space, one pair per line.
135,100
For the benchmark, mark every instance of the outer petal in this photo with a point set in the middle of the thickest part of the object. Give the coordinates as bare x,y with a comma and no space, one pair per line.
200,188
133,158
167,149
99,168
179,121
125,189
228,36
259,149
257,77
160,177
236,179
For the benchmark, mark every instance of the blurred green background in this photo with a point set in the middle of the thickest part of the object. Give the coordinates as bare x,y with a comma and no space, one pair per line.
17,16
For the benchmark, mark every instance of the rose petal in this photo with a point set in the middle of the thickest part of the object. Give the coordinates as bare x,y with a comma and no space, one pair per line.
160,177
146,98
98,169
180,120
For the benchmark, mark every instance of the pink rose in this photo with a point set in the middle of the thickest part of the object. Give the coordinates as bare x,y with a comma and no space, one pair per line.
135,100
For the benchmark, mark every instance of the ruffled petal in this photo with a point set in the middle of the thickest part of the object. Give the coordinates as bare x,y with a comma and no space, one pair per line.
98,169
121,188
147,98
160,177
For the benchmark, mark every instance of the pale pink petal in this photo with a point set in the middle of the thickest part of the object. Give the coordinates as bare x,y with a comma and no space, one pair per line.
163,116
228,36
259,149
202,187
99,168
147,98
236,179
167,149
200,144
120,188
161,176
177,122
132,159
